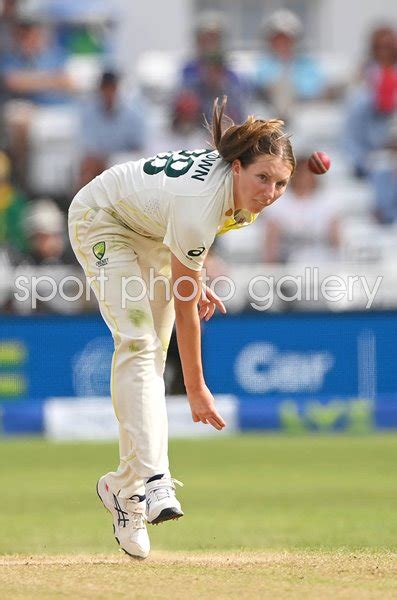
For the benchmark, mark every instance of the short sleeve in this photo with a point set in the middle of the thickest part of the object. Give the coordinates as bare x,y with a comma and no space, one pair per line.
191,229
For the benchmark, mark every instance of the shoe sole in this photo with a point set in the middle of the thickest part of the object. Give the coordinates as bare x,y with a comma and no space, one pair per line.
114,530
167,514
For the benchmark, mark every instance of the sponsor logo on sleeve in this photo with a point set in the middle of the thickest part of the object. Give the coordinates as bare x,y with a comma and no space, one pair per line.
196,252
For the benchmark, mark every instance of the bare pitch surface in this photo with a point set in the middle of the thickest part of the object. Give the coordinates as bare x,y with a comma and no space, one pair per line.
165,576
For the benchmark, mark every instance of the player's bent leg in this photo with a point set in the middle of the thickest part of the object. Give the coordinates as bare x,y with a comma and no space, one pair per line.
129,516
162,504
141,331
137,368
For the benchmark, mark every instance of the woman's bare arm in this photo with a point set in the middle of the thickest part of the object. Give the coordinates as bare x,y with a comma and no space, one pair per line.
187,292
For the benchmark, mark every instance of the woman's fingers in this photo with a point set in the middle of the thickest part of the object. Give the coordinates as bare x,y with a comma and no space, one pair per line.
210,296
215,424
217,417
204,311
204,306
220,305
214,298
210,312
214,419
207,310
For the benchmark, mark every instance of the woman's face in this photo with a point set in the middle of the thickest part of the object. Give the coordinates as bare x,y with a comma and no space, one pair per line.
261,183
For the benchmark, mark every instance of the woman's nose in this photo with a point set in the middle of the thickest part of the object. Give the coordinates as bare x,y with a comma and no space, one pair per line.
269,190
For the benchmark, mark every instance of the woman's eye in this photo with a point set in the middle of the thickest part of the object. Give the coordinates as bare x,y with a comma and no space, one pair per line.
263,177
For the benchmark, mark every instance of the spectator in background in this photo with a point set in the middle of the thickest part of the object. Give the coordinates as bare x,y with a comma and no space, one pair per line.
304,225
383,178
284,74
83,27
33,75
187,123
45,231
214,82
380,68
184,129
12,210
208,74
8,18
35,68
373,105
210,40
47,264
109,125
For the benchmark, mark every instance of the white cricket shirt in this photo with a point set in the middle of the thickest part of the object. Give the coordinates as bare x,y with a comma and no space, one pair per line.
184,198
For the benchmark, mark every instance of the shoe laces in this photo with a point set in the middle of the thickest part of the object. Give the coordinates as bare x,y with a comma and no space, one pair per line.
163,488
137,520
136,514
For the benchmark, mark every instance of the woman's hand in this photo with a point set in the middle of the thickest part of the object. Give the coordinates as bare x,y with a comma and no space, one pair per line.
203,408
208,302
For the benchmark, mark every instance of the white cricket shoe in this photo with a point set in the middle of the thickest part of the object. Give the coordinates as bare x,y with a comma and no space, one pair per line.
129,525
161,502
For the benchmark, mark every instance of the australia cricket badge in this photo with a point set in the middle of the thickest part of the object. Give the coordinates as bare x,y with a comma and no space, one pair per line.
99,250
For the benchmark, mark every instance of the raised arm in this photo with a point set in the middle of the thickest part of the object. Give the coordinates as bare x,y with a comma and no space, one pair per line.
187,293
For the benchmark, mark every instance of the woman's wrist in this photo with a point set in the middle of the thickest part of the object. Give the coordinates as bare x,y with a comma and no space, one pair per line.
195,386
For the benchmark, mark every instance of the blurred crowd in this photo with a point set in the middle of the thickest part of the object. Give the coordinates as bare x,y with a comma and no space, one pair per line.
67,113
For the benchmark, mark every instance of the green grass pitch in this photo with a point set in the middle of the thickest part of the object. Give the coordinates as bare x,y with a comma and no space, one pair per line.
244,496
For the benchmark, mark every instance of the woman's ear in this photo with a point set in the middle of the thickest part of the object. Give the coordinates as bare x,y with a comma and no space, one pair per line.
236,166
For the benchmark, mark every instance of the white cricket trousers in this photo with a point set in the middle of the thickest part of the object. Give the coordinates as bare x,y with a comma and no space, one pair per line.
141,330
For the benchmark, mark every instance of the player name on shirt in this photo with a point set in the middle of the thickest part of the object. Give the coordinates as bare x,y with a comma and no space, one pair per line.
204,166
177,164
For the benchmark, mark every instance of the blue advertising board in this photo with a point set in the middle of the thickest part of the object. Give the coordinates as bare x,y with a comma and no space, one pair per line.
54,356
290,371
299,372
302,354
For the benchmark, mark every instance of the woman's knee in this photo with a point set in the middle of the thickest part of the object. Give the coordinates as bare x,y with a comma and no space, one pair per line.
142,345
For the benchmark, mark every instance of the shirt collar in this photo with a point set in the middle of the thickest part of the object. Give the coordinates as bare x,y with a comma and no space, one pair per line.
232,218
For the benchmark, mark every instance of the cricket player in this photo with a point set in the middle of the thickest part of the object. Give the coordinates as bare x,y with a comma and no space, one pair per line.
157,218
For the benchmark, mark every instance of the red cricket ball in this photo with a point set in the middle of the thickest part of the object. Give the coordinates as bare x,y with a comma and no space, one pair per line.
319,163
